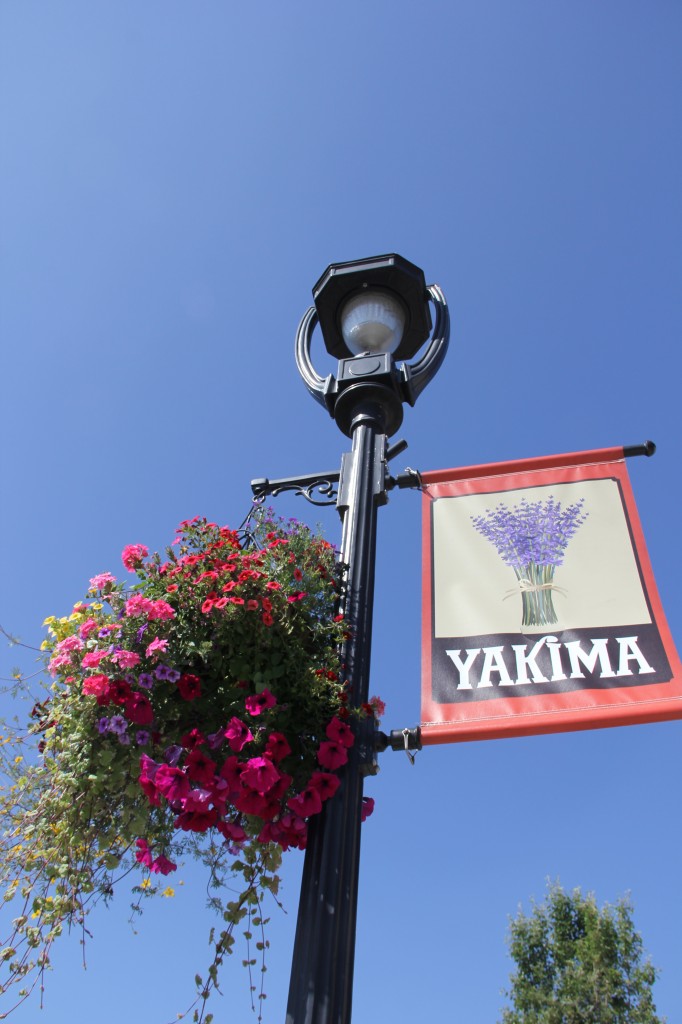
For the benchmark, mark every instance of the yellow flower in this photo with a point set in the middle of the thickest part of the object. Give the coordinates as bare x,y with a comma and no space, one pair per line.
168,891
145,883
18,760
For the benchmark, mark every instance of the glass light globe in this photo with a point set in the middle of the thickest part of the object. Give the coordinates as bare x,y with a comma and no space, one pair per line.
372,321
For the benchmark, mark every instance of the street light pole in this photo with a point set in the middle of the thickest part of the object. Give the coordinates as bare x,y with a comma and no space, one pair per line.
371,312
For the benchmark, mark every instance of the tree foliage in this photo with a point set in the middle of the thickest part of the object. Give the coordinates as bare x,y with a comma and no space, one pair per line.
578,964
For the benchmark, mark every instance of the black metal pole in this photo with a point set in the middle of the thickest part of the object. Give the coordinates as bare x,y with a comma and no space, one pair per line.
321,986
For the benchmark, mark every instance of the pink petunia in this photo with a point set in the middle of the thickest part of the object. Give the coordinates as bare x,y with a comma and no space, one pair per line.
156,647
137,605
132,555
101,581
126,659
88,627
160,609
93,658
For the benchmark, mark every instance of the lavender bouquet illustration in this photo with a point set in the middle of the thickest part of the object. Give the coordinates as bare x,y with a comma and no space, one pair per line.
531,538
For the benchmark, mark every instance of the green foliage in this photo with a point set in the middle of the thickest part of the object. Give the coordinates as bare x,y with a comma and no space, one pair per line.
577,964
222,622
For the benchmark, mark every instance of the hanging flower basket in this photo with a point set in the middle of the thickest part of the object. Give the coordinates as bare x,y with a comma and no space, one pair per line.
200,712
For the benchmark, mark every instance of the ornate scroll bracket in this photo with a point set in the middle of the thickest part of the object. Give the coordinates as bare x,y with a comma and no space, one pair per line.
317,488
322,488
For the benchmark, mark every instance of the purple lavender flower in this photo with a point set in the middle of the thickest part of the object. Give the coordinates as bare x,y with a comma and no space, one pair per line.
103,726
531,532
531,538
145,680
142,737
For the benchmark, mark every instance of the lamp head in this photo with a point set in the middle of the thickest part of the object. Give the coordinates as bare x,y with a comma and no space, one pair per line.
378,305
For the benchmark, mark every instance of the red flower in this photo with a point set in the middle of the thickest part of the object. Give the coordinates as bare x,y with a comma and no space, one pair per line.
325,783
339,732
367,807
200,768
306,803
277,747
332,755
97,686
268,619
192,739
138,709
234,833
189,686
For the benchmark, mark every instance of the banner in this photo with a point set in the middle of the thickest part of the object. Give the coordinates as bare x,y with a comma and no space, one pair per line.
540,608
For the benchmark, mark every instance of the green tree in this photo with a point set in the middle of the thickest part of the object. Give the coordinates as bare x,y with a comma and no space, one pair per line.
577,964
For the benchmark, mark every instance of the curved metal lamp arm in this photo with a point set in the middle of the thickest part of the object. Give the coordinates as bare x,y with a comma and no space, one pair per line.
312,380
421,372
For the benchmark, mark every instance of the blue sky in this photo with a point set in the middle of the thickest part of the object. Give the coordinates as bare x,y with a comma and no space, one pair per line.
174,178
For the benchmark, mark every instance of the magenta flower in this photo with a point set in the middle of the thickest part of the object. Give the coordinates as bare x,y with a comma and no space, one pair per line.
260,702
172,783
237,734
306,803
144,854
162,865
260,775
332,755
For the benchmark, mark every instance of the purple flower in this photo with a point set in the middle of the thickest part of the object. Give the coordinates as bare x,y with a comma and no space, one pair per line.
166,672
531,533
118,725
172,755
124,738
142,737
141,631
103,726
145,680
